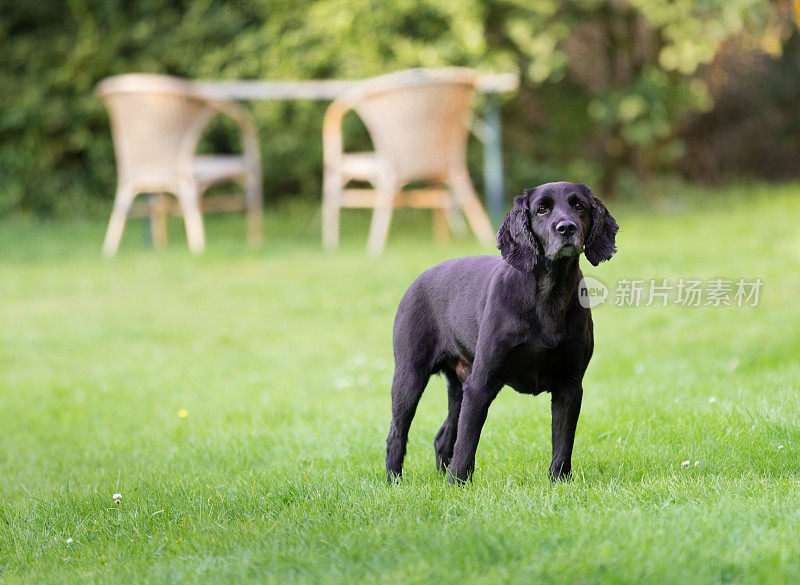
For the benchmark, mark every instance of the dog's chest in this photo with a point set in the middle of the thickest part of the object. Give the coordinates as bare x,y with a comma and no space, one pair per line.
532,368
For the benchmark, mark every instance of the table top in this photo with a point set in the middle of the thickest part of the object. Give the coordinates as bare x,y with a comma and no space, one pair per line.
322,89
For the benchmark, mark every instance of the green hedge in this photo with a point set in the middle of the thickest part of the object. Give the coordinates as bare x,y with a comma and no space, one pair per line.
606,85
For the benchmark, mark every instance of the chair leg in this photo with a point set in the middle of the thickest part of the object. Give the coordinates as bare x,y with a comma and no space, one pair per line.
189,198
332,188
158,219
467,199
441,224
254,193
381,216
122,205
455,219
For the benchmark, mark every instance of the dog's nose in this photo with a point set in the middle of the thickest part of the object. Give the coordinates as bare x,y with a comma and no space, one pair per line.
566,228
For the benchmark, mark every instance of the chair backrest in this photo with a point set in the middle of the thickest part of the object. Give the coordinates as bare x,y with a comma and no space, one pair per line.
418,119
156,121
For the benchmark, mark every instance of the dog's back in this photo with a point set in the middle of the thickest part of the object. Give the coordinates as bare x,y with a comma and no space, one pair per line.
447,296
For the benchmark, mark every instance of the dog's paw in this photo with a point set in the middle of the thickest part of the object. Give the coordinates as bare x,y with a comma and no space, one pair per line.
393,477
460,476
443,461
560,472
443,447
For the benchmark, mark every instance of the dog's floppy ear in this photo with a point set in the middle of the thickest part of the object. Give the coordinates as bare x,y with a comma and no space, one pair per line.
600,243
515,239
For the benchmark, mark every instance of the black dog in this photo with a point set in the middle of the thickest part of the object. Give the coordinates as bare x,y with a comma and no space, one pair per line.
486,321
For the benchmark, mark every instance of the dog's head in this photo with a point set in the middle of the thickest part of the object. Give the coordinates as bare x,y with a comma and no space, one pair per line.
556,221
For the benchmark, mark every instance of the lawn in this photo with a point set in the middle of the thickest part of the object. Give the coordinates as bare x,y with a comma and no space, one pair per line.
281,358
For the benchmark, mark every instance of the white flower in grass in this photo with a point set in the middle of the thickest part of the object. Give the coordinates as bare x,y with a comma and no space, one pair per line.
780,447
697,464
686,464
117,496
712,399
70,541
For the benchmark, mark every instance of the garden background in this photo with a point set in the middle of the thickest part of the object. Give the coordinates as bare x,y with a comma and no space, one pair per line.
612,92
221,418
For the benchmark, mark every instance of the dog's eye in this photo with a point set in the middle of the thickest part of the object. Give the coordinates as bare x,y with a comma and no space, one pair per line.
542,209
579,206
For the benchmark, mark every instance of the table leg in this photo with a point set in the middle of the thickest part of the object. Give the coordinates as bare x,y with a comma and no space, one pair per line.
147,227
493,160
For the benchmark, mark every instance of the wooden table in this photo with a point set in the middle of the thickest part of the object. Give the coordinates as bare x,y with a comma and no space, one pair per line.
488,130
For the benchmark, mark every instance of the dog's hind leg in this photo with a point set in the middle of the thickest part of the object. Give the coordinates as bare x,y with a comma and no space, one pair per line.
446,437
407,387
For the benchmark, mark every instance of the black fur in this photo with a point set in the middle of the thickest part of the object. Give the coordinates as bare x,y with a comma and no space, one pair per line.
485,322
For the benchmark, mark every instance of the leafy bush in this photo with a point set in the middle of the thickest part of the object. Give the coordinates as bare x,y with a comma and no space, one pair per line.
606,85
754,128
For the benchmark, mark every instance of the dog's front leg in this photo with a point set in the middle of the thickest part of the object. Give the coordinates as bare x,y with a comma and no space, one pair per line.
478,395
565,408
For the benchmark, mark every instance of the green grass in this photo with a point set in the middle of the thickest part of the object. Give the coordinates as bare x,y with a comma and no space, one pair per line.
282,357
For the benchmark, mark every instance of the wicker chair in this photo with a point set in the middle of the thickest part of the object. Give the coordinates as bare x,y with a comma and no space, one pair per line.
157,122
418,121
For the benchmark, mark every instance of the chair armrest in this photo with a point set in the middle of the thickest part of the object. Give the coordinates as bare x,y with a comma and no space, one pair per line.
191,140
246,124
332,141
